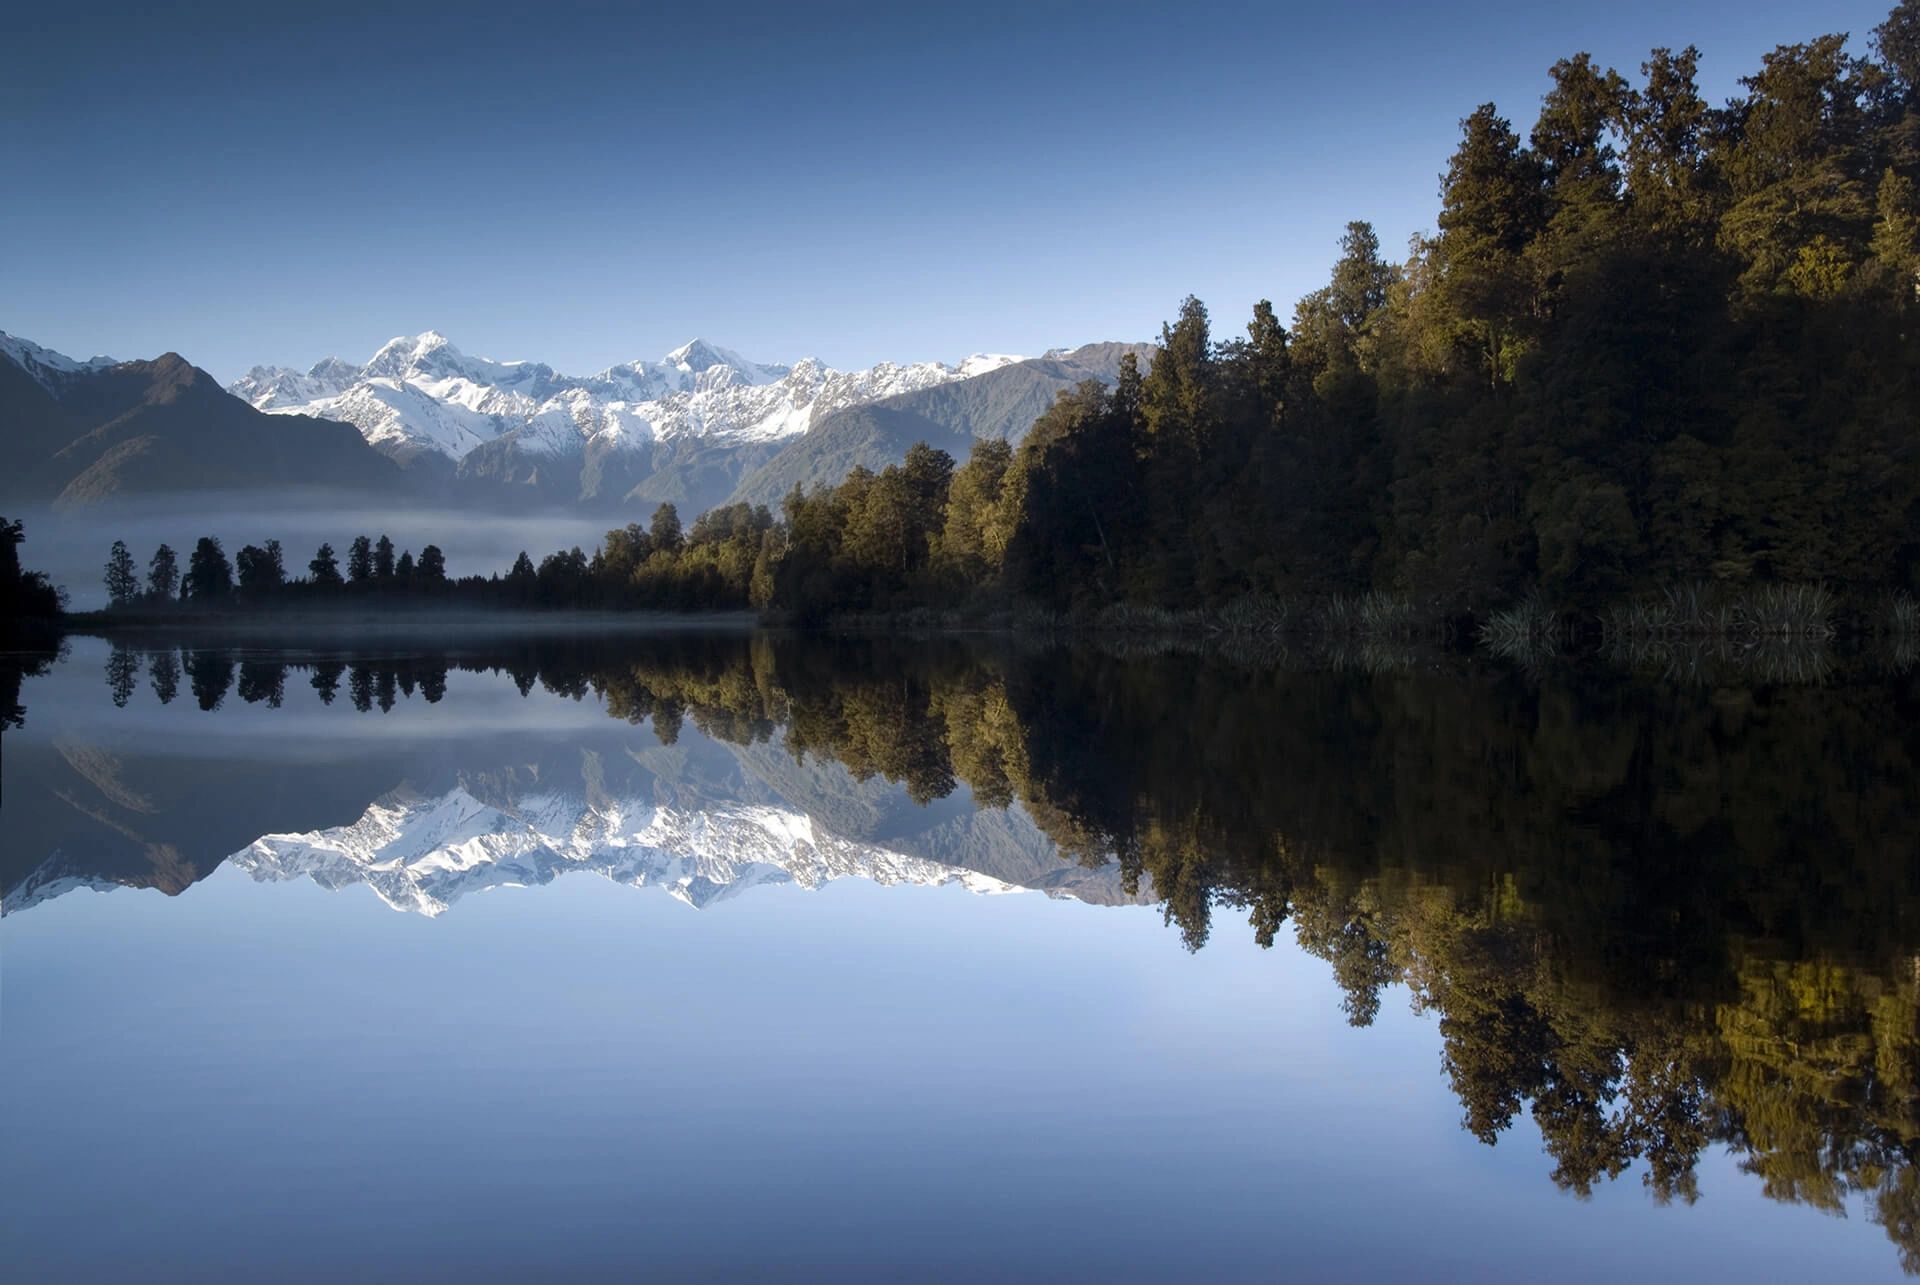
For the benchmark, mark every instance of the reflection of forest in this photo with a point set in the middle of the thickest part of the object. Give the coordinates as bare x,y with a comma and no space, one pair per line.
1656,917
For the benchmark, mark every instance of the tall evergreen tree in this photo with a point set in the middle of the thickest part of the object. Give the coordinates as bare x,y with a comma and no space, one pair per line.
209,577
360,561
163,574
431,572
123,581
665,531
325,568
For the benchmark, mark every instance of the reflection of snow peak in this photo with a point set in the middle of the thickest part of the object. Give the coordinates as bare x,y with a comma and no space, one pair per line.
422,392
423,854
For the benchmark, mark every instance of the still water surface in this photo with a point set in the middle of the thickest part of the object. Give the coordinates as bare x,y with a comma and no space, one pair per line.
808,960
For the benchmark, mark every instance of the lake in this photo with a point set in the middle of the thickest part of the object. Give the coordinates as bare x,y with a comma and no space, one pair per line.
759,957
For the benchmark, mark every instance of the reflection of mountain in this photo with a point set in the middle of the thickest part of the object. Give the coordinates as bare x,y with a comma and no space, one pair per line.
423,854
699,823
132,813
423,824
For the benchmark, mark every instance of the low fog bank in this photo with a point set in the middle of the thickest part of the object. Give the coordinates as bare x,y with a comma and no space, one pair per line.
71,545
454,630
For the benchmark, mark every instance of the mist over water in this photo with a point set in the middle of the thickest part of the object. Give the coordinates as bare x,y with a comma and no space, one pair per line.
70,545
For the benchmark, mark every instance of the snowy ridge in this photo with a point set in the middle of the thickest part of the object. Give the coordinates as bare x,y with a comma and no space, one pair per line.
422,854
48,367
424,393
38,887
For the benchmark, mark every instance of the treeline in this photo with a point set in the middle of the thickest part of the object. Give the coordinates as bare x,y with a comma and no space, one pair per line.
258,576
660,565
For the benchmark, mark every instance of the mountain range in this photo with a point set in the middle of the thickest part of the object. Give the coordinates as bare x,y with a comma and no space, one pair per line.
699,427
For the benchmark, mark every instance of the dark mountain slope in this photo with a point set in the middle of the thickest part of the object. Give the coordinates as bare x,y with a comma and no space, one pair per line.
147,427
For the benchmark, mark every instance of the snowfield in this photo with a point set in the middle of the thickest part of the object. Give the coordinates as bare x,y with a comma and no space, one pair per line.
423,393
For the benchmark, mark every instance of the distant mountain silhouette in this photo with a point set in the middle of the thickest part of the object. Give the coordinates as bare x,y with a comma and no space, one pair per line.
88,435
1000,404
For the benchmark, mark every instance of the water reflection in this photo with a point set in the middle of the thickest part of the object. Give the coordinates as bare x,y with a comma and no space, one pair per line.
1656,917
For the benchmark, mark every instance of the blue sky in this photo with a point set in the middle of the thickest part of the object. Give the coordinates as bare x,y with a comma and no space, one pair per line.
585,185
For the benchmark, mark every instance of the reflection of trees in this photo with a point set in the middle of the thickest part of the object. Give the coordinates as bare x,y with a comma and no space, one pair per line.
123,673
262,680
1653,919
163,671
210,675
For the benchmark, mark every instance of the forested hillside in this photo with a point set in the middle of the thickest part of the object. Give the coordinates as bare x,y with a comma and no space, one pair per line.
1652,341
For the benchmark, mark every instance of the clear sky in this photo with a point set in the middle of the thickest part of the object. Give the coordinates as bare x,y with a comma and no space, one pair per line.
589,184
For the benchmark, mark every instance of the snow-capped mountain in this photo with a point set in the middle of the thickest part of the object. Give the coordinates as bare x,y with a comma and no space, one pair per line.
422,854
422,394
49,369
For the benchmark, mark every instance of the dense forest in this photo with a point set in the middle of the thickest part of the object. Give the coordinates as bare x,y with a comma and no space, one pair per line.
1552,867
1653,343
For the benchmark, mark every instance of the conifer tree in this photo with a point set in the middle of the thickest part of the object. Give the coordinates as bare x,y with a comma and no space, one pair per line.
325,568
123,582
360,560
163,574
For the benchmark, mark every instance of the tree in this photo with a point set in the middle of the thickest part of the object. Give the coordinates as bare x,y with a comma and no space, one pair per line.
431,571
1798,169
1269,363
209,577
383,559
1573,136
325,568
403,570
1361,278
973,500
360,561
123,582
1176,396
665,529
163,574
1667,125
1492,206
260,571
522,579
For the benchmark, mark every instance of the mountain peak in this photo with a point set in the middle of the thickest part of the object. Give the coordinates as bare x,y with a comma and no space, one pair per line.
405,352
44,364
698,355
